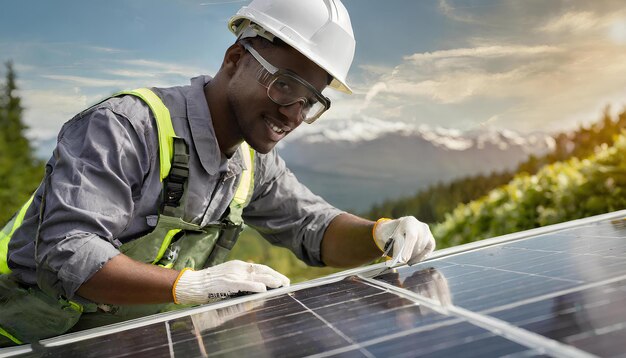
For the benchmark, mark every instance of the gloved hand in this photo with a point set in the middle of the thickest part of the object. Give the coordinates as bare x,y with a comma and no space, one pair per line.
219,281
407,232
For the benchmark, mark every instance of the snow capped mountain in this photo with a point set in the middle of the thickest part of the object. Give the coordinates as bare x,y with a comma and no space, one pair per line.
347,130
354,164
370,129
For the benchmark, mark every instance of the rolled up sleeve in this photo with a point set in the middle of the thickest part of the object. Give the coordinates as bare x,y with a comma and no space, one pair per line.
287,213
90,189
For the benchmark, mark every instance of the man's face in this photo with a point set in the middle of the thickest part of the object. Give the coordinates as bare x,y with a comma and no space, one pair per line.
258,120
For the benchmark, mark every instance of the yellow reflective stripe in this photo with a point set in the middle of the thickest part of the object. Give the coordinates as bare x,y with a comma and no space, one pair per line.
4,251
164,126
5,238
165,244
76,306
244,190
10,336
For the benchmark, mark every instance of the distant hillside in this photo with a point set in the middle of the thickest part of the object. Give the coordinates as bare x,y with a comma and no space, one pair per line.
432,204
356,168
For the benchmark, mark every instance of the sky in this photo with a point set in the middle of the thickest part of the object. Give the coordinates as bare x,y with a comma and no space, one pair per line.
532,65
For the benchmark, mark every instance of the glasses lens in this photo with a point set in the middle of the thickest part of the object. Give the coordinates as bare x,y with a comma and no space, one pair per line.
286,90
314,112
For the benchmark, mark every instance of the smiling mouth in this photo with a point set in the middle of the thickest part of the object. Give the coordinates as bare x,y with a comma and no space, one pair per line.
275,128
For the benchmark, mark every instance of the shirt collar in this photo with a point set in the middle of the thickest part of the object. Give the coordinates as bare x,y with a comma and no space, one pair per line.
201,125
202,130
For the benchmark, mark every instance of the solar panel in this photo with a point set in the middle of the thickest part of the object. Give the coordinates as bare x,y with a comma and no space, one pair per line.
555,291
519,270
593,319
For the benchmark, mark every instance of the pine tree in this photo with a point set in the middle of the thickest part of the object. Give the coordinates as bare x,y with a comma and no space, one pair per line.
20,172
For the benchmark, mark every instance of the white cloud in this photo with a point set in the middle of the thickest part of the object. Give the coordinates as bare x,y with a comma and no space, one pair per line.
484,52
86,81
528,86
46,110
611,25
453,13
131,73
572,22
374,90
108,50
617,31
164,67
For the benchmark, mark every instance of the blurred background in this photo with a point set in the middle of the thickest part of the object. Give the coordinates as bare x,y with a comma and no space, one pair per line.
479,117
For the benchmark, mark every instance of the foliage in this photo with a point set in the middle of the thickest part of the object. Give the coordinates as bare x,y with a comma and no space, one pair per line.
20,172
432,204
559,192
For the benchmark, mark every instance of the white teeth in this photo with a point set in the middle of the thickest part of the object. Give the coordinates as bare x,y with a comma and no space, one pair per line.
276,129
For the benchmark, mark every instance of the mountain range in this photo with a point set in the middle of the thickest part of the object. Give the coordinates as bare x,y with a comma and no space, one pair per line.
355,164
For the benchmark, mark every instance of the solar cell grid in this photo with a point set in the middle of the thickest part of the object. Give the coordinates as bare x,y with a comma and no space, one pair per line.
315,324
458,340
480,288
113,345
578,243
516,271
592,319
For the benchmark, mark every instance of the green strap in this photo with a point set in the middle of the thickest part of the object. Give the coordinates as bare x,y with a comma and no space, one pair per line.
164,126
167,240
243,194
10,336
5,237
246,185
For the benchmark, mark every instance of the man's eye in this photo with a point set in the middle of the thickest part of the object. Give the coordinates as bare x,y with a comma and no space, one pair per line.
283,85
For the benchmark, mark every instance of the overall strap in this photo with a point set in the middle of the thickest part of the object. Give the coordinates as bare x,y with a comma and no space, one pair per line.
232,225
243,194
173,160
7,233
173,153
174,188
165,128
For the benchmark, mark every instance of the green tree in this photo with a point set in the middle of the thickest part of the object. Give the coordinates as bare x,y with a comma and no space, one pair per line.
20,171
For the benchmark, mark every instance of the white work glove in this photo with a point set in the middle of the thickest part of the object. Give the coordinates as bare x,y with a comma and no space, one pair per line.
412,240
193,287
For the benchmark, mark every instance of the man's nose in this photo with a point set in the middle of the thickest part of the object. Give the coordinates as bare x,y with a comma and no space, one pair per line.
293,112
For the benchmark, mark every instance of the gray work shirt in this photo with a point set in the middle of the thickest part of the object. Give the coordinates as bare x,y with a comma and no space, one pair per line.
102,189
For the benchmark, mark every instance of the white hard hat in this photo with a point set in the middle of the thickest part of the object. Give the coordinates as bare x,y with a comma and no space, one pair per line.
318,29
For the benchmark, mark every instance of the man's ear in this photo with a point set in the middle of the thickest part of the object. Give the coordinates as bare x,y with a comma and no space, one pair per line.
232,58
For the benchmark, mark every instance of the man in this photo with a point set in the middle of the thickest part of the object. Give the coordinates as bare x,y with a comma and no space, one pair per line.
121,227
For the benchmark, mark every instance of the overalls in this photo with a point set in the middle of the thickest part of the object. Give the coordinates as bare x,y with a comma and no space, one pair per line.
28,314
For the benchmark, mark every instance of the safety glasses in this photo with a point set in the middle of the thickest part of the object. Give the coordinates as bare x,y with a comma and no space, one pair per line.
285,88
